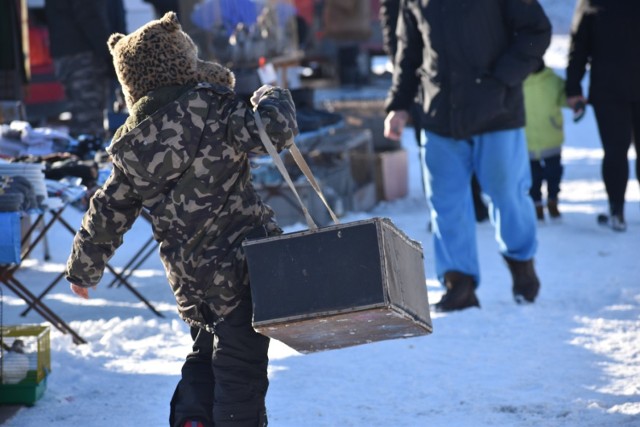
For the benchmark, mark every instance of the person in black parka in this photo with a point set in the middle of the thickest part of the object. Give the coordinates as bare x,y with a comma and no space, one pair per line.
469,59
605,36
389,11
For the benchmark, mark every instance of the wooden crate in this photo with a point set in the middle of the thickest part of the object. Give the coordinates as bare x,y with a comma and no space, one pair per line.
339,286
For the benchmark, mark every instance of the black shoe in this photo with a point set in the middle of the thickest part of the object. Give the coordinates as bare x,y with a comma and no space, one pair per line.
460,293
525,281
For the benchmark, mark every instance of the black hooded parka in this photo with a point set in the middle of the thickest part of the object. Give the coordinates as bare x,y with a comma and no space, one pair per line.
469,59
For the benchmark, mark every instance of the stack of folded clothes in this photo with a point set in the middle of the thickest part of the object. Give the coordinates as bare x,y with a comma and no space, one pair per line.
17,194
18,139
15,175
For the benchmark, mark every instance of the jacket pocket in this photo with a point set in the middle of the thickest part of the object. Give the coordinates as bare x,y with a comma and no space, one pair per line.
484,103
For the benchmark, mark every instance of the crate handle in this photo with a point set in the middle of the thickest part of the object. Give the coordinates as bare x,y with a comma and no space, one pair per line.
302,164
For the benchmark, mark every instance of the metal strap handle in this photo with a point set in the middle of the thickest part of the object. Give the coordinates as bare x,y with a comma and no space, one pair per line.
304,167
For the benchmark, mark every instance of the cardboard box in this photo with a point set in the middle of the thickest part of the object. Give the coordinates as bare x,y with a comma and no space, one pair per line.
339,286
392,174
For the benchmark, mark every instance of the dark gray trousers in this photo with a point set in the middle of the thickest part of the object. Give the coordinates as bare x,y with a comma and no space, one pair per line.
224,378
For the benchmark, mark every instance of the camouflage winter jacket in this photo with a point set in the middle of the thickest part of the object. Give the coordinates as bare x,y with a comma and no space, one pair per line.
183,156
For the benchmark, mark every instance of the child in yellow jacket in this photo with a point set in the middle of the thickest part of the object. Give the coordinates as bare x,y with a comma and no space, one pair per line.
544,98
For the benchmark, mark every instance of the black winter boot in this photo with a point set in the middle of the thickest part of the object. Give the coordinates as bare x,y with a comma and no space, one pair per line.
525,281
460,292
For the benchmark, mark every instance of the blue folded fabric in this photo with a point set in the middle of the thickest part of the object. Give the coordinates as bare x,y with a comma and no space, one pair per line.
19,185
10,242
11,202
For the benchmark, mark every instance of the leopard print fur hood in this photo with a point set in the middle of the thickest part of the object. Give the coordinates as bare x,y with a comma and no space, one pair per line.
160,54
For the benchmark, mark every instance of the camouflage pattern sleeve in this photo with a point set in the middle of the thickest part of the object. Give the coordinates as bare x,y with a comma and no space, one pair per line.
278,113
112,211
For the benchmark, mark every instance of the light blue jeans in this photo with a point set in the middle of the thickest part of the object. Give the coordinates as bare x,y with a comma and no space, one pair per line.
501,164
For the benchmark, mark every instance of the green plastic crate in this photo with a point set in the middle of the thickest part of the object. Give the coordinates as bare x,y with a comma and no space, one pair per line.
23,393
21,383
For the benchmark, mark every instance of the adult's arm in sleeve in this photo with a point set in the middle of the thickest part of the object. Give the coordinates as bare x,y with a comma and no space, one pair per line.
530,36
389,11
579,49
406,81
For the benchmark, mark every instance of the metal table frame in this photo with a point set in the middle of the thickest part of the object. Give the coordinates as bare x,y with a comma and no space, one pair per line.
7,276
40,228
121,279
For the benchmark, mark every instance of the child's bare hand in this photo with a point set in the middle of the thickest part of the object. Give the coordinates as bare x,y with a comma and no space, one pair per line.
81,291
258,94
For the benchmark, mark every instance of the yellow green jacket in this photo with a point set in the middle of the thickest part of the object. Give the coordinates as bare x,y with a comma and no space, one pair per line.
544,98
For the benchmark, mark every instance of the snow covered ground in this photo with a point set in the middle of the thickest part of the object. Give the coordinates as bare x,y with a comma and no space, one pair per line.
570,359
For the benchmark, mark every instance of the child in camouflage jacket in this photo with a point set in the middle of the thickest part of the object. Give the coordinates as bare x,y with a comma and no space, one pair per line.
182,155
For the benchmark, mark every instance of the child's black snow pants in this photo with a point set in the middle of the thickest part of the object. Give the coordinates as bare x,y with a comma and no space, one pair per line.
224,379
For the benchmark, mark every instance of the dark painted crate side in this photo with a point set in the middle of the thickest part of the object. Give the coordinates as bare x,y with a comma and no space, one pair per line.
312,305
